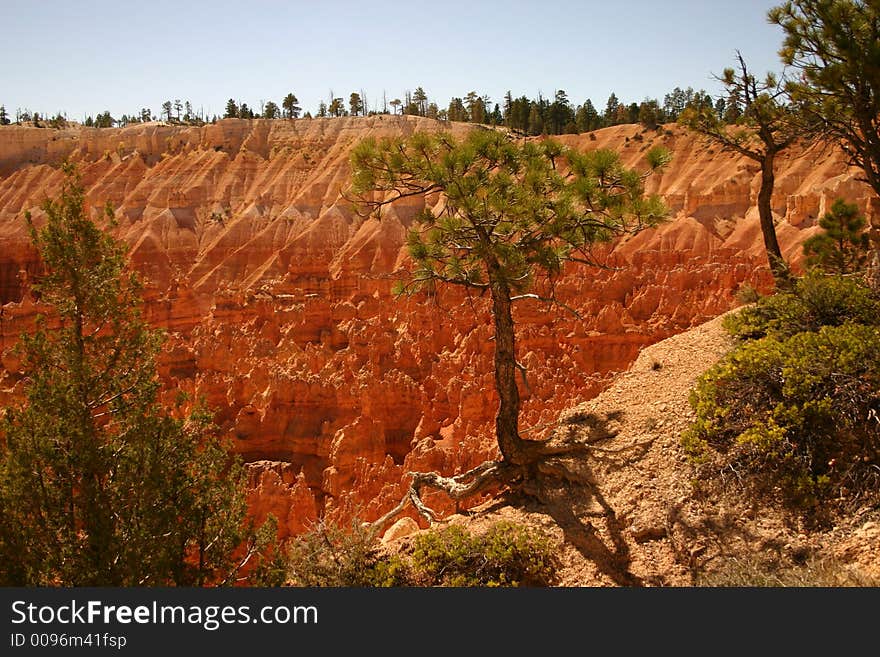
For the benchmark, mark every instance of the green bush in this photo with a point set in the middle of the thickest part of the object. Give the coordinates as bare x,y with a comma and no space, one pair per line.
331,555
795,418
506,554
815,301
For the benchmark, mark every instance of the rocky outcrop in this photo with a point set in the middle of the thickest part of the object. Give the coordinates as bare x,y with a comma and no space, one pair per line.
277,297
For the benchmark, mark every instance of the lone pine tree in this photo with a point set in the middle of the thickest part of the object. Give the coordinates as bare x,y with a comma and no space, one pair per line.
99,485
766,127
511,213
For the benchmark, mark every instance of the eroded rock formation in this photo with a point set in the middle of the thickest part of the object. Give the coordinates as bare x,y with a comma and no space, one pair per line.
277,296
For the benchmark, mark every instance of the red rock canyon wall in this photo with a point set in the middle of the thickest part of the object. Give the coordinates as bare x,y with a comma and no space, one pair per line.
276,295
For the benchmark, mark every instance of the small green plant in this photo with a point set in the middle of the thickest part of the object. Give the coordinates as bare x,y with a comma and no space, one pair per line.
333,555
507,554
747,294
842,247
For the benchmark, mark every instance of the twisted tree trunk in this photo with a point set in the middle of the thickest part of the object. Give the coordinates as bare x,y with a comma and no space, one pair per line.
778,266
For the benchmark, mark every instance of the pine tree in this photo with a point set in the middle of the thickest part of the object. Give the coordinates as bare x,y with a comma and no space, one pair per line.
476,107
336,108
649,114
832,45
513,213
560,114
420,98
291,107
270,111
843,246
456,110
99,485
767,127
536,121
355,104
587,118
611,110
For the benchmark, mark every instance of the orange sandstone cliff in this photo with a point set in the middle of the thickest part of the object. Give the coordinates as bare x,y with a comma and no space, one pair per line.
277,297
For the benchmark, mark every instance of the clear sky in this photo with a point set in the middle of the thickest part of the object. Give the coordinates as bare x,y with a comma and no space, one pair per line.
87,57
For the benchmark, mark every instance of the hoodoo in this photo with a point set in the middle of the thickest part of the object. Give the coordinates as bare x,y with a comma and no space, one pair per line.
277,296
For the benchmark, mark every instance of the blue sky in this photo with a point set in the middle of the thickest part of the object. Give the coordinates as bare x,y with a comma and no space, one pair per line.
86,57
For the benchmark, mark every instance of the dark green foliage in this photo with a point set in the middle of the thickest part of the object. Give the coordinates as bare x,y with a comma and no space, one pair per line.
506,203
649,114
104,120
792,412
587,118
291,107
506,554
271,111
336,107
514,213
356,104
843,246
831,47
814,301
99,485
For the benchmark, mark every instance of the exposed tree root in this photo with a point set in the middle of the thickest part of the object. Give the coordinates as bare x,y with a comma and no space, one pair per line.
547,466
459,487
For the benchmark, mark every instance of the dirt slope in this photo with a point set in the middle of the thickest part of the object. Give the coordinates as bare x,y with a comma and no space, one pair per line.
640,523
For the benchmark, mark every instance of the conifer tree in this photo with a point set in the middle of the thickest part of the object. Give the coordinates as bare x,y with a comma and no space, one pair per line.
842,247
270,111
587,118
99,485
356,104
767,126
513,213
291,107
612,107
420,98
832,45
